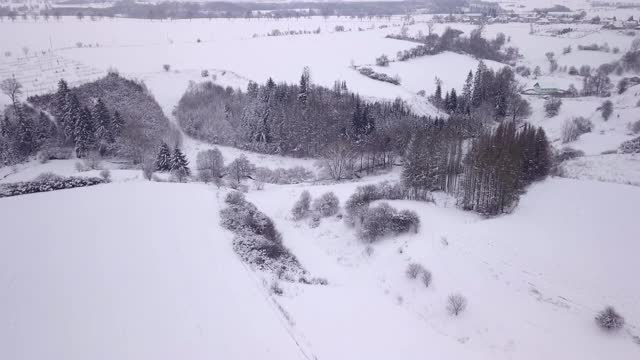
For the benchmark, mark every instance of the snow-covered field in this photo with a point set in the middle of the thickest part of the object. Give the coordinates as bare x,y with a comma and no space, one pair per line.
137,269
90,273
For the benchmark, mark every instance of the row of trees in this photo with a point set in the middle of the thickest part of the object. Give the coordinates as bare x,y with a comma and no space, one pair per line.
85,128
297,120
486,95
489,177
23,130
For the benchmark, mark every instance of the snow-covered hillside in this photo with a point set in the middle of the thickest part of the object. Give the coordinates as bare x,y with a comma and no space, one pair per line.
143,270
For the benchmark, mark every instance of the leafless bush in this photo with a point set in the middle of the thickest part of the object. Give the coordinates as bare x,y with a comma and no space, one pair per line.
148,167
210,165
93,161
608,319
166,67
105,175
302,207
573,128
384,220
425,277
276,289
456,304
327,205
338,161
413,270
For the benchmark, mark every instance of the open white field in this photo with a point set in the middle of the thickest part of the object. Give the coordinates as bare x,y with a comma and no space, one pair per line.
80,287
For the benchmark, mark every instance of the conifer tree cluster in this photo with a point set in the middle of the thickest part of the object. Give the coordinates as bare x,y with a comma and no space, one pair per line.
84,128
23,130
297,120
173,161
489,177
486,91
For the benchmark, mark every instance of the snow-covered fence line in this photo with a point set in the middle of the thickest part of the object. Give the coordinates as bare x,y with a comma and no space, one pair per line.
48,183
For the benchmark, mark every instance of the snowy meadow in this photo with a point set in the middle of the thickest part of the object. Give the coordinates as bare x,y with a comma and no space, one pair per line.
320,187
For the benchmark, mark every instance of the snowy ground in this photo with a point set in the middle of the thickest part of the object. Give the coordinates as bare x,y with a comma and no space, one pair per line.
534,279
137,269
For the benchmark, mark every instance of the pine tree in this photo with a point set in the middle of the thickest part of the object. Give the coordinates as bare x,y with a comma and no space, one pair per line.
163,160
45,129
7,128
117,123
453,101
467,90
25,135
83,133
61,101
479,90
71,116
305,82
179,163
103,123
438,94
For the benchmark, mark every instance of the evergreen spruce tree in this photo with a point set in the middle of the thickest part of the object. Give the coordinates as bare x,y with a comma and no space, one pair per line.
438,94
453,101
103,123
7,128
117,123
179,164
479,91
61,101
305,82
467,90
25,136
83,133
163,160
71,116
45,129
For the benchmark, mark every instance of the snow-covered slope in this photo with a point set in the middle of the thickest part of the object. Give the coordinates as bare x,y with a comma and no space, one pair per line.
143,270
130,271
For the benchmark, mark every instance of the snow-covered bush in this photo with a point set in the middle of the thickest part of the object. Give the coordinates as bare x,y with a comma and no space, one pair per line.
257,241
456,304
166,67
275,288
210,165
302,207
552,106
635,127
46,182
630,147
608,319
425,277
294,175
358,203
384,220
105,175
314,222
413,270
573,128
327,205
148,167
568,153
607,109
240,168
383,60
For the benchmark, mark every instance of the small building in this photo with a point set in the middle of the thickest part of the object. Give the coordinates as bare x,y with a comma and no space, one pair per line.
537,90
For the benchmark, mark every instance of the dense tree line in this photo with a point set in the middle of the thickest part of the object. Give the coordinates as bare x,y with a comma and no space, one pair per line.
489,176
486,95
452,40
113,115
298,120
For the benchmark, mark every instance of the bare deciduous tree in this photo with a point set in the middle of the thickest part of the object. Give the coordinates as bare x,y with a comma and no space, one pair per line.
338,161
456,304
